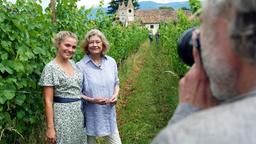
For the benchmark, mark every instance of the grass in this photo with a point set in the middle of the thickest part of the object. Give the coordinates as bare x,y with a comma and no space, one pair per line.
148,94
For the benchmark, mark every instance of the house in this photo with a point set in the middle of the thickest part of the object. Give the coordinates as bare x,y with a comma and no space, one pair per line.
125,14
150,18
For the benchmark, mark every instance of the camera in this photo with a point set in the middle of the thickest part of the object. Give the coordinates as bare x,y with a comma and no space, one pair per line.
185,46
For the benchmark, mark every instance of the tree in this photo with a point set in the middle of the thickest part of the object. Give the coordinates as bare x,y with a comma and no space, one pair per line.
195,5
114,4
53,10
185,8
166,7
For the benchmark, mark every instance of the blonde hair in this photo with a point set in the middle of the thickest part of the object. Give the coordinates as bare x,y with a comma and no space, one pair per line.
95,32
61,36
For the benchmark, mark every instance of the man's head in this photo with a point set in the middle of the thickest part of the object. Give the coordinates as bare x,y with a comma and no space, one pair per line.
228,42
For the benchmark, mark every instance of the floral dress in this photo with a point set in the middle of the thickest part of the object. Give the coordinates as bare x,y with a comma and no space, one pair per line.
68,117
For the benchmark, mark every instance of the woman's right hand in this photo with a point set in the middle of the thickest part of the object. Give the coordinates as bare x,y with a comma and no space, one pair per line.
51,135
100,101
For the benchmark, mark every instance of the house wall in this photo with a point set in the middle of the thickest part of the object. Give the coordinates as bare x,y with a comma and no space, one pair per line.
122,16
130,14
154,29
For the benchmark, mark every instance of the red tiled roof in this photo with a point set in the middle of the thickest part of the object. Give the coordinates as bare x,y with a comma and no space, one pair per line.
156,15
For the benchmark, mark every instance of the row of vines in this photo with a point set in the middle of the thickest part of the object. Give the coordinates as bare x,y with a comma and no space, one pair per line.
25,32
170,34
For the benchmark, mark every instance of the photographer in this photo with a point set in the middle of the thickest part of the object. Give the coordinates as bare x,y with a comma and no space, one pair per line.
217,97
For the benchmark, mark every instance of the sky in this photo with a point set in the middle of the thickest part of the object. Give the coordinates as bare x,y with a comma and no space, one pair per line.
95,3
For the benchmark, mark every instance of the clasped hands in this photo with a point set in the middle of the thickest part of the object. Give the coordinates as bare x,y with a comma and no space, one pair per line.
101,100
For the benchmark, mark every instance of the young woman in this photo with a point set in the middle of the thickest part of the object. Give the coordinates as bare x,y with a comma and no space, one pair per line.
100,89
61,81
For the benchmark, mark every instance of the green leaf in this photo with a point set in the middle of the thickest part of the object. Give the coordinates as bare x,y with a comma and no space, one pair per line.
12,81
18,25
19,99
2,99
2,17
8,70
9,94
29,54
4,56
22,83
32,119
6,45
7,117
18,66
11,37
2,68
38,50
20,114
1,116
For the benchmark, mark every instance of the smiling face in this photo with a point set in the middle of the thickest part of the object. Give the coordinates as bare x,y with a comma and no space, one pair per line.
67,48
95,45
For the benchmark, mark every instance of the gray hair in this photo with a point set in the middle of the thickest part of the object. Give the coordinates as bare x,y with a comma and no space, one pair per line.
243,29
242,17
61,36
95,32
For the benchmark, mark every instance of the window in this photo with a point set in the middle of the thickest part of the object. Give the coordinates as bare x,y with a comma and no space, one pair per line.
151,26
130,11
122,13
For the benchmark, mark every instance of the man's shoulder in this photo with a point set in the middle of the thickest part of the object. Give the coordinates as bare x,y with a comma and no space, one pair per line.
233,122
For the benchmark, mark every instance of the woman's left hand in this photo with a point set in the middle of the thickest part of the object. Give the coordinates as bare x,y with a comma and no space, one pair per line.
112,101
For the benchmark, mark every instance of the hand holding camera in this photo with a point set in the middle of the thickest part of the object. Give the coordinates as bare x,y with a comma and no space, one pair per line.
194,87
186,44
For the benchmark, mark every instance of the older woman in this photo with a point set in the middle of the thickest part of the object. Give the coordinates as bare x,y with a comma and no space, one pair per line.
100,88
61,81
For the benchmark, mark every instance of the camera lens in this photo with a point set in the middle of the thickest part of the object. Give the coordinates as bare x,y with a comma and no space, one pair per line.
185,47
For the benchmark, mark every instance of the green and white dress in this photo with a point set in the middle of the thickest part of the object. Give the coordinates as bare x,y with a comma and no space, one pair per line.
68,117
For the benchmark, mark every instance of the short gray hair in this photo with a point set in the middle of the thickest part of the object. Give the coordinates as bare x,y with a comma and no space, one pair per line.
243,29
218,8
61,36
242,17
95,32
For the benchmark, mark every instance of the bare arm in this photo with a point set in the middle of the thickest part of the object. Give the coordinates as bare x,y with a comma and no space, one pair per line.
48,100
116,91
113,100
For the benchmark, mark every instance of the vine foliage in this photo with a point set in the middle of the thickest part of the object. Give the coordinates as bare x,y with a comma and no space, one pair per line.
26,31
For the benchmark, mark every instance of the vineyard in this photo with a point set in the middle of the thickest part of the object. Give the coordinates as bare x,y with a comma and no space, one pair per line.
26,31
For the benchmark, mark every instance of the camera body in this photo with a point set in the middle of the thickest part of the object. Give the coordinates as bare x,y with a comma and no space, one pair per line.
185,46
